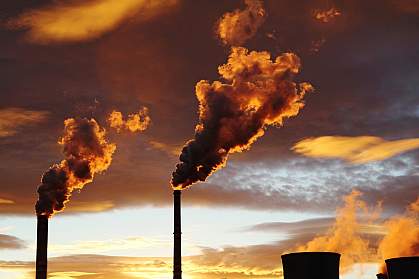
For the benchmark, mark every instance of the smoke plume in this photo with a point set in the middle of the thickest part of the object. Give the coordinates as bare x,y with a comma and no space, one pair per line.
402,238
235,28
256,93
345,235
136,122
86,153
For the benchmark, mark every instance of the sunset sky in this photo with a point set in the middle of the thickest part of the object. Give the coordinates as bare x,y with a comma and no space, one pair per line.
337,174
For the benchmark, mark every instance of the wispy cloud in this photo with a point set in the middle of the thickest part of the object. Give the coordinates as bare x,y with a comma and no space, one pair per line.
11,242
356,150
74,21
169,149
12,119
6,201
91,247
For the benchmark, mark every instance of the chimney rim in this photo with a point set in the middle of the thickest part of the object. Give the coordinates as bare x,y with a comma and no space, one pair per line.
402,258
311,253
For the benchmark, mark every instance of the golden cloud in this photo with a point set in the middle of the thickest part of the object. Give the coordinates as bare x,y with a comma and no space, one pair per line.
92,247
74,21
169,149
356,150
6,201
11,119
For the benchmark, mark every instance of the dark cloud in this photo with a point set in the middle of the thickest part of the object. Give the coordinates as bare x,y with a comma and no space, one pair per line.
365,75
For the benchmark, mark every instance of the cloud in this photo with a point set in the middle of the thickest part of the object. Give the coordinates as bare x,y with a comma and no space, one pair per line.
74,21
235,28
6,201
11,242
91,247
13,119
356,150
169,149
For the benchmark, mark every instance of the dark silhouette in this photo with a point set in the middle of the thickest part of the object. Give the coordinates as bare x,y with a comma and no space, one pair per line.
311,265
42,247
177,244
403,268
382,276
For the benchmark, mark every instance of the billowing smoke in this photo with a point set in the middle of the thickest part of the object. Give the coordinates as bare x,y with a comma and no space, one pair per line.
402,238
86,153
345,236
136,122
235,28
348,237
256,93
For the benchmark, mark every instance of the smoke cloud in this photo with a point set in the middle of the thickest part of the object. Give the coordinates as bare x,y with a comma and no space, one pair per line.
404,227
345,235
235,28
86,153
257,93
136,122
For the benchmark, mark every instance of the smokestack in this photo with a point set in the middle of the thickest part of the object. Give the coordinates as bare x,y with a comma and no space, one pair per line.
41,247
177,243
313,265
403,267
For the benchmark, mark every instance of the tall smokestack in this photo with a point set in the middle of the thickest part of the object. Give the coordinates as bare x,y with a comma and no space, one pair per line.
403,267
41,247
177,243
313,265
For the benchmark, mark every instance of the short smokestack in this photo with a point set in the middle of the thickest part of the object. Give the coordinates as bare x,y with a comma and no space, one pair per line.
177,244
403,268
42,247
311,265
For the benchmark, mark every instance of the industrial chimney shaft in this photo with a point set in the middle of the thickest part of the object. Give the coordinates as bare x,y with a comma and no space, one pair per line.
177,233
42,247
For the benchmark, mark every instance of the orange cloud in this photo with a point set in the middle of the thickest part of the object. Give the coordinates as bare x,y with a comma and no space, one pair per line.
74,21
169,149
11,119
235,28
6,201
356,150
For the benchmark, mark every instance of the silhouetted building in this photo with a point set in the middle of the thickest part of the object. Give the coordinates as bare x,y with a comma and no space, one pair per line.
403,268
42,247
177,233
311,265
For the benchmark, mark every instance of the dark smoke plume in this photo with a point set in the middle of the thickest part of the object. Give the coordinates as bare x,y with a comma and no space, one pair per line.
86,153
256,93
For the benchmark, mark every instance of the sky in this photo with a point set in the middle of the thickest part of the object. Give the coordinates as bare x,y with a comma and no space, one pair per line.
344,153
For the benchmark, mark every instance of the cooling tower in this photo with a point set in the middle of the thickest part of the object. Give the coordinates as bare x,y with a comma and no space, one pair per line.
311,265
403,268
